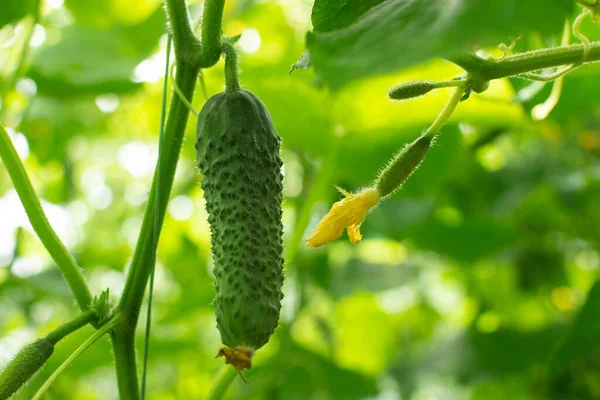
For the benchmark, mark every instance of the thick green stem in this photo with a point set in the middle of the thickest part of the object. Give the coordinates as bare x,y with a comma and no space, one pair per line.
190,56
66,263
221,382
188,49
212,19
123,343
141,265
161,130
187,73
488,68
71,326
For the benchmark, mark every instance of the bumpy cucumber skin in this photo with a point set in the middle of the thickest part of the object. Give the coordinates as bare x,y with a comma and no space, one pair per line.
24,366
238,155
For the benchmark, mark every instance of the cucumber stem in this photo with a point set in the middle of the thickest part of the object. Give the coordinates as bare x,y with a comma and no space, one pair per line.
71,326
446,112
232,82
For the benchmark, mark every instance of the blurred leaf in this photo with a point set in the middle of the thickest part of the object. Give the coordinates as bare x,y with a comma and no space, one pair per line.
329,15
359,345
49,283
396,215
501,389
527,349
50,123
96,60
107,13
299,374
310,129
14,10
399,33
465,242
578,96
539,268
360,276
583,335
475,355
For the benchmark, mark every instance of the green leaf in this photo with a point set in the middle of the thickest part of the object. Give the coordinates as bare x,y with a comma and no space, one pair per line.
14,10
583,335
329,15
96,60
399,33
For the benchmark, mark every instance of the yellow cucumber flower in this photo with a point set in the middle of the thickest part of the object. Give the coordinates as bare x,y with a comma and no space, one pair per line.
347,213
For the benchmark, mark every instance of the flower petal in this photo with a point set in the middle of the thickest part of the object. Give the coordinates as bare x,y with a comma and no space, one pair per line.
346,213
324,233
354,233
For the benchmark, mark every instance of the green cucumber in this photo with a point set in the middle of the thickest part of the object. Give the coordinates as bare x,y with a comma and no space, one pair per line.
24,366
238,155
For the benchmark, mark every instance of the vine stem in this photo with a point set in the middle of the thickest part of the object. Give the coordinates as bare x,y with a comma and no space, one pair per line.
221,382
541,111
71,326
141,266
190,56
161,135
446,112
487,69
187,73
33,208
115,321
142,263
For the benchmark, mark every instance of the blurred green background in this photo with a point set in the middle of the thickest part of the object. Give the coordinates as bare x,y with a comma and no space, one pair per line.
475,281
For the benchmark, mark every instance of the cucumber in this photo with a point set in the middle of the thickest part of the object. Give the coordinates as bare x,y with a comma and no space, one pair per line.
238,154
24,366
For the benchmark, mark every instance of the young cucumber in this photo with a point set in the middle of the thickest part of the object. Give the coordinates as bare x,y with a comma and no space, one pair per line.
238,155
24,366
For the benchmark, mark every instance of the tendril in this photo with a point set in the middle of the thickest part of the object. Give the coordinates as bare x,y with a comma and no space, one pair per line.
586,50
180,93
507,49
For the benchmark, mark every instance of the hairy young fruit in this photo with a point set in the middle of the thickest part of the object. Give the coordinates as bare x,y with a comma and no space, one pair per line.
410,90
238,155
401,167
24,366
